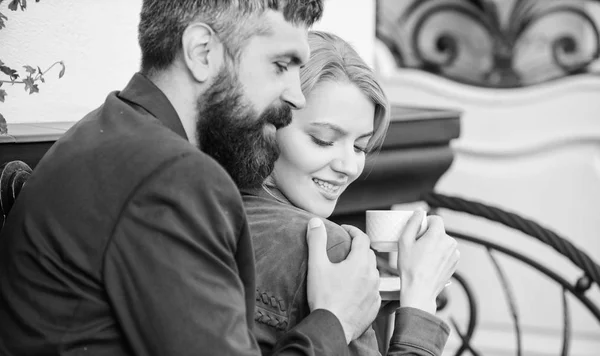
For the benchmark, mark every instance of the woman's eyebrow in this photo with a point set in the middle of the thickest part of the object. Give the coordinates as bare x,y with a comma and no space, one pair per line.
340,131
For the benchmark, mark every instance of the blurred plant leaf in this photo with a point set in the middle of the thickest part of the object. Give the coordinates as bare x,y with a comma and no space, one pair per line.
30,85
30,80
41,76
2,19
13,5
30,69
3,126
62,71
10,72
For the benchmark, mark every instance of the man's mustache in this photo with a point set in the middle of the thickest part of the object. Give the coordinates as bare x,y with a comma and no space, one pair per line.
279,116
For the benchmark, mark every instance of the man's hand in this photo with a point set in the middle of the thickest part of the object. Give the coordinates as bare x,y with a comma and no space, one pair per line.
426,264
349,289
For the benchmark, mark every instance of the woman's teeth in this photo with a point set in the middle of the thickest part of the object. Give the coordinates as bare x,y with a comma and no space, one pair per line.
327,186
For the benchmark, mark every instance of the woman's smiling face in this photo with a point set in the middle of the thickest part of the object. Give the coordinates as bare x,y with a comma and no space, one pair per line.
323,149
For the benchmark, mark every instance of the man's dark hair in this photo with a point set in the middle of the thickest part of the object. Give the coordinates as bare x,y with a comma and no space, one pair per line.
162,23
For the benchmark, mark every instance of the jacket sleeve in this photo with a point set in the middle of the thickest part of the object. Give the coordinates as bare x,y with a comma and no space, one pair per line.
365,345
417,333
170,268
285,324
171,271
320,333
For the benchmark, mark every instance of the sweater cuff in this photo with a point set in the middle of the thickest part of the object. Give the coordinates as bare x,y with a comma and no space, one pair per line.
418,328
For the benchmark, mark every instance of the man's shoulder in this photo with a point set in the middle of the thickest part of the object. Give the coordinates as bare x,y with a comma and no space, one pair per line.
113,152
127,140
126,131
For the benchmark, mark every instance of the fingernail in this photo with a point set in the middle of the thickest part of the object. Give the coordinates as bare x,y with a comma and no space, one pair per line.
314,223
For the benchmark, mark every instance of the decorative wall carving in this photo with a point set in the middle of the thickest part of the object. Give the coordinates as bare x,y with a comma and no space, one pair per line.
487,43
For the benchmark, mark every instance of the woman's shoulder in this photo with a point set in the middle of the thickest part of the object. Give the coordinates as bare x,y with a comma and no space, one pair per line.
273,222
278,231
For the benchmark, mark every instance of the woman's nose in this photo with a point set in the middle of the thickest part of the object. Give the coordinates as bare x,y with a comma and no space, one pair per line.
346,163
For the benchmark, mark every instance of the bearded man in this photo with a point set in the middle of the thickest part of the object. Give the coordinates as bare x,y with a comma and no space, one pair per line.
128,239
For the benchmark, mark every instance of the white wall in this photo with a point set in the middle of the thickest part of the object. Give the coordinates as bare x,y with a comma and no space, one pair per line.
534,151
97,40
353,20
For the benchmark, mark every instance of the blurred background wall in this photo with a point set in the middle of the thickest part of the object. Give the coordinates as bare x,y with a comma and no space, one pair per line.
525,76
97,40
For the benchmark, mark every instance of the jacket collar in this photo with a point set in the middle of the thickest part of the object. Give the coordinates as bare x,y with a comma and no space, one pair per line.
267,191
142,92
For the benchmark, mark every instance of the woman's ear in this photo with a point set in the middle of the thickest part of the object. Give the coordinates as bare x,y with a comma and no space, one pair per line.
198,46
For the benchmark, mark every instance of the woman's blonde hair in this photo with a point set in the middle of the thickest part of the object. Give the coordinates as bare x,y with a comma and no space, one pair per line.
333,59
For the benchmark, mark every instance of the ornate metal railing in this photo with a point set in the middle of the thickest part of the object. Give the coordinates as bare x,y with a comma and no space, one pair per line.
471,41
590,270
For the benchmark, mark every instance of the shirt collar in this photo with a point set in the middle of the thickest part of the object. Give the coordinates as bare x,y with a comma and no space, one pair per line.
142,92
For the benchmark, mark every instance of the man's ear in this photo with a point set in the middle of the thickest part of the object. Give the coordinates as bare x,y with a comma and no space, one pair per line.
199,45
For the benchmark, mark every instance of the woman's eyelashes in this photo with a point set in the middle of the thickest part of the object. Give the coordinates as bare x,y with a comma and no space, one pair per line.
324,143
320,142
361,149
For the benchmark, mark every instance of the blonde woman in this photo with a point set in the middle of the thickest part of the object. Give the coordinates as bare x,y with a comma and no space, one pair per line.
323,151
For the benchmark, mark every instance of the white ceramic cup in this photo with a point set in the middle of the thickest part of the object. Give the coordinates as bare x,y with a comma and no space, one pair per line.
385,226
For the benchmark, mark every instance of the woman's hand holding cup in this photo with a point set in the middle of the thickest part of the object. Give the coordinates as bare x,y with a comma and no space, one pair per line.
425,264
427,256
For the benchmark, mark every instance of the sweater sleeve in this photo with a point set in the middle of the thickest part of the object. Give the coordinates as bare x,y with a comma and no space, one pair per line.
417,333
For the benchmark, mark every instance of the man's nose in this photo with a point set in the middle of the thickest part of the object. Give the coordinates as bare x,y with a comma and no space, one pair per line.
292,95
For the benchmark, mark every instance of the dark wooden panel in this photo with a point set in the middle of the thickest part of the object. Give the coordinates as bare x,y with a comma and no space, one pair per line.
396,176
28,152
415,154
413,157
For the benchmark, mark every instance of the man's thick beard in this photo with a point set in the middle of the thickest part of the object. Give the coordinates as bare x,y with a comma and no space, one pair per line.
231,132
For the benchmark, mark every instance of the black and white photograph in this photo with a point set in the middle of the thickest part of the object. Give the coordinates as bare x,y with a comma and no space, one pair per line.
300,177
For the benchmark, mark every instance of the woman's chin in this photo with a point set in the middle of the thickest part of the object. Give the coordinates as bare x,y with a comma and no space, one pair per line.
316,205
324,211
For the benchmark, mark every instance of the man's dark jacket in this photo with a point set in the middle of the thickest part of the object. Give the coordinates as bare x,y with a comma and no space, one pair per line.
128,240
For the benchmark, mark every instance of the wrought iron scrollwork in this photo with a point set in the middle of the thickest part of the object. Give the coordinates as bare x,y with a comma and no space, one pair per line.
590,269
472,42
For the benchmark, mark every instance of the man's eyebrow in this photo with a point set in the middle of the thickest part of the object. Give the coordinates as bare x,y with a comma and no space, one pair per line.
340,131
